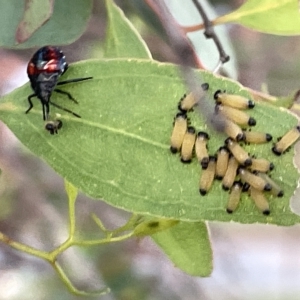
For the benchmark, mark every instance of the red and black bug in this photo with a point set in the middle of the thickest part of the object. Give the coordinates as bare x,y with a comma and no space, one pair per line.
44,70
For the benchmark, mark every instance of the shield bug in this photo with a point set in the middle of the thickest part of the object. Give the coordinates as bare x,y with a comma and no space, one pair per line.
44,70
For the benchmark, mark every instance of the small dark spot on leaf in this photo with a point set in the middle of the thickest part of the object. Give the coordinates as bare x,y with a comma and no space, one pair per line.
153,224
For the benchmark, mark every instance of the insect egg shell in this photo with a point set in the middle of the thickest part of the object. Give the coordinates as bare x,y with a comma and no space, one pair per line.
230,174
234,196
179,130
233,130
255,181
233,100
238,152
222,162
260,200
254,137
286,141
187,102
188,145
237,116
201,148
207,176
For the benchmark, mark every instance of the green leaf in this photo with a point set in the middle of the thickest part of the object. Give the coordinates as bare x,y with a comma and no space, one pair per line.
119,149
270,16
188,246
36,13
122,39
145,12
67,23
149,227
71,190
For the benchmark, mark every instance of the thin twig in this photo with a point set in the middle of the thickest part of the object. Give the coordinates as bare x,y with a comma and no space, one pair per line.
192,28
176,36
210,33
65,279
187,59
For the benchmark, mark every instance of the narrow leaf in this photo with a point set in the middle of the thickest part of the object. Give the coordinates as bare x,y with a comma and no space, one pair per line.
119,150
36,13
122,39
270,16
188,247
67,23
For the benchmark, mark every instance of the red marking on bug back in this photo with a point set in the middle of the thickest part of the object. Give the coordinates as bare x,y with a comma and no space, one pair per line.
48,59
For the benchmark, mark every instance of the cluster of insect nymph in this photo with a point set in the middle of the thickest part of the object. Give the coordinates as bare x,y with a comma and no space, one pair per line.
44,70
238,170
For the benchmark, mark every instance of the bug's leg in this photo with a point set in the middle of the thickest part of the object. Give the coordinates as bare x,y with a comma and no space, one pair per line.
66,93
65,109
30,103
74,80
46,115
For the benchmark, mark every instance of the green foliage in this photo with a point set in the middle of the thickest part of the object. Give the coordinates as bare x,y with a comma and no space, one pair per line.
66,24
119,149
270,16
122,39
187,245
36,13
179,242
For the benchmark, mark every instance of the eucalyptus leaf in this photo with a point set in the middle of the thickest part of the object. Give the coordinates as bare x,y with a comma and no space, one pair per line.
67,23
270,16
122,39
187,245
119,150
36,13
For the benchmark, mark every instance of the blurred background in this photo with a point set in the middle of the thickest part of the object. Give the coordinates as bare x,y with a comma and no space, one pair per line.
250,261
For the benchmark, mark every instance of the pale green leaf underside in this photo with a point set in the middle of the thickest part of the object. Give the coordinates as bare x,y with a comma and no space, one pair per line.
187,244
36,13
67,23
119,150
122,39
270,16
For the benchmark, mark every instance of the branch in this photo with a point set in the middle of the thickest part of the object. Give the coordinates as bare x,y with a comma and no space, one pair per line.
187,59
180,44
210,33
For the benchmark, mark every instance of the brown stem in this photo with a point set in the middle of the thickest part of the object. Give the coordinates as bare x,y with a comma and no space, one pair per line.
210,33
